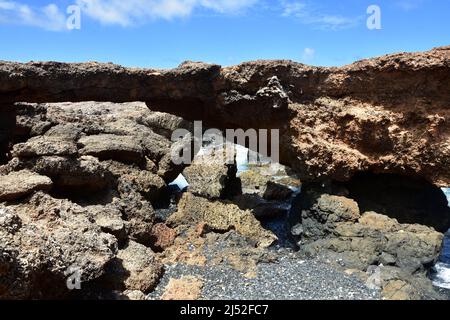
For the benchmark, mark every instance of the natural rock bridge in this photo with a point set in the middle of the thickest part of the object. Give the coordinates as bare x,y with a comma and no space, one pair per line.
85,185
384,115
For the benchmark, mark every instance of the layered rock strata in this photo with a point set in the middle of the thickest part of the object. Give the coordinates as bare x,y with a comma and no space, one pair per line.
384,115
77,201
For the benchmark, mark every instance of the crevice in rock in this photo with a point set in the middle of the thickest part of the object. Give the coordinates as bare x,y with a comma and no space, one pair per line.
7,125
84,197
48,285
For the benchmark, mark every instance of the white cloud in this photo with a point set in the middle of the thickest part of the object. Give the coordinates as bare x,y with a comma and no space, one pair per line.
305,14
409,5
308,54
115,12
48,17
131,12
228,6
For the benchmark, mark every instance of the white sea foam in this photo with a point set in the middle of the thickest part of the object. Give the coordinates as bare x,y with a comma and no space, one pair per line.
447,193
180,182
442,276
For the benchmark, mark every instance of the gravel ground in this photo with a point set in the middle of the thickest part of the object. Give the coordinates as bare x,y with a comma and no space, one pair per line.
289,279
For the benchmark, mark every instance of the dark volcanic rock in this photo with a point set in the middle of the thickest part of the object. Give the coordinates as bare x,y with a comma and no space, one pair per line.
335,224
261,209
334,229
221,217
108,131
103,165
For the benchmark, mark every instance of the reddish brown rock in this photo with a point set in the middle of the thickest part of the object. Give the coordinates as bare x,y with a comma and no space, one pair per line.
163,236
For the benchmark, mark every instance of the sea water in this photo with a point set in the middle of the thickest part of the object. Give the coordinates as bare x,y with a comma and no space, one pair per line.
442,276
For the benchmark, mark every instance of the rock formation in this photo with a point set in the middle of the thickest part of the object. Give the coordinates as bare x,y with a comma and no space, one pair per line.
212,176
220,217
43,241
388,114
76,196
392,257
335,224
83,183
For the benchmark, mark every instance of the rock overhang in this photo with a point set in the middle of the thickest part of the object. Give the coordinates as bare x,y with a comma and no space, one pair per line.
384,115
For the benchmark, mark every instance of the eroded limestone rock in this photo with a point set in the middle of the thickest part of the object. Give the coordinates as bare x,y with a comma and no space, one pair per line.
43,241
19,184
213,174
222,217
334,122
134,268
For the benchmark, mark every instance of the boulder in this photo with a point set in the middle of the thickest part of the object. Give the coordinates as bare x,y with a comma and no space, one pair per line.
221,217
333,226
45,243
45,146
213,174
163,236
109,219
123,132
139,214
396,284
107,146
134,268
276,191
19,184
261,208
253,181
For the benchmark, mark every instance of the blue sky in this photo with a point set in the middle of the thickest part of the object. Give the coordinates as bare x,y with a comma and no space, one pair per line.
163,33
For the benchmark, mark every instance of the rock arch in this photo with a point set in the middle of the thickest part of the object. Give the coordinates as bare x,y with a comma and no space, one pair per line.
386,115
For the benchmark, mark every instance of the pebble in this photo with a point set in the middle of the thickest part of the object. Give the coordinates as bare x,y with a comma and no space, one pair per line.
289,279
